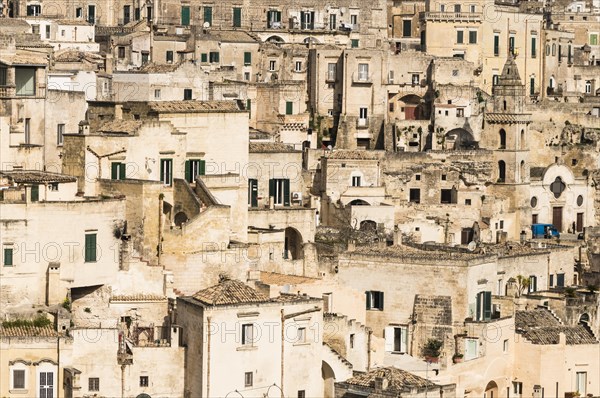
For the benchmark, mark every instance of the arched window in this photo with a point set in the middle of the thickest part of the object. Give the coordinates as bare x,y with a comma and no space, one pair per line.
522,171
504,105
502,139
501,171
523,143
547,49
553,49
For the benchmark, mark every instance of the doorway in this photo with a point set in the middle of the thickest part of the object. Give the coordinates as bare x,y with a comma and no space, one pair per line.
557,215
579,224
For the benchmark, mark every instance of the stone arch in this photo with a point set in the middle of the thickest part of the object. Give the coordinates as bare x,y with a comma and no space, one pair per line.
522,171
328,376
501,171
584,319
143,395
359,202
275,39
502,139
311,39
180,218
413,107
491,390
462,138
293,249
368,226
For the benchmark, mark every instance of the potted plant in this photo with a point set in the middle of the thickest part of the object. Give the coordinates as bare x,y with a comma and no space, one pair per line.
431,351
457,358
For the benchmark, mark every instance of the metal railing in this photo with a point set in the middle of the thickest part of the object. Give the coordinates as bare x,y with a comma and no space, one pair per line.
451,16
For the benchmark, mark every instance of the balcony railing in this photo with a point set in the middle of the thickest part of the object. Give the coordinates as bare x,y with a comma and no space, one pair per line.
331,78
7,91
362,78
451,16
362,123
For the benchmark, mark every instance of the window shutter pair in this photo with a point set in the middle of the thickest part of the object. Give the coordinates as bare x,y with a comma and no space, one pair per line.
90,247
286,192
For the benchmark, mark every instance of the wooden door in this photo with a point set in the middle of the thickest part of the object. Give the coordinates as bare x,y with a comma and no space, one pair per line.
579,226
557,213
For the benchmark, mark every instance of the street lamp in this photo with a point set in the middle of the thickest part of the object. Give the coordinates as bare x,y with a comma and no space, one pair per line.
235,391
265,395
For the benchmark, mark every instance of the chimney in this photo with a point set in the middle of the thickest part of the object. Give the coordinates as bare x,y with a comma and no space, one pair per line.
108,64
119,112
351,245
562,339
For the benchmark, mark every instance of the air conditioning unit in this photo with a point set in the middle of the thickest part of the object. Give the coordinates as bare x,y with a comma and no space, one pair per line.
296,196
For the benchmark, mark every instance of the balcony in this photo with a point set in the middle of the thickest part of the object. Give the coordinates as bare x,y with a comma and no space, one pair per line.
437,16
7,91
362,78
362,123
331,78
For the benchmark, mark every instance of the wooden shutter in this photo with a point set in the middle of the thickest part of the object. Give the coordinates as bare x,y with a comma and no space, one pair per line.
208,15
368,300
114,171
286,192
289,108
403,339
380,300
203,57
8,257
247,58
202,168
388,334
487,306
478,312
185,16
90,247
162,170
271,188
188,171
35,193
122,171
237,17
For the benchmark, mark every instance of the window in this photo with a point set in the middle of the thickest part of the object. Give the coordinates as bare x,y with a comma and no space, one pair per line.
166,171
472,37
374,300
237,17
248,379
560,280
472,8
289,108
8,257
362,116
157,93
279,189
581,383
459,36
117,171
415,78
60,132
46,384
53,186
417,177
18,379
442,8
3,75
331,71
354,43
467,202
588,87
247,334
505,345
47,31
307,19
208,15
213,57
27,131
273,19
194,168
247,58
448,196
551,275
94,384
332,22
126,14
301,394
532,86
298,66
460,112
352,340
121,52
457,8
204,57
354,21
494,80
391,106
187,94
396,339
406,28
145,57
144,381
511,45
363,72
553,49
484,306
25,80
496,45
79,12
593,39
272,64
502,135
444,177
90,247
517,388
91,14
169,56
356,181
301,336
532,284
533,47
414,195
470,349
34,10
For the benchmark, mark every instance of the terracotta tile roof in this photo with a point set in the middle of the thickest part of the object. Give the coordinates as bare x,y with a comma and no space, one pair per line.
398,379
137,297
35,176
194,106
506,118
158,68
120,127
541,327
354,154
273,278
28,331
228,292
271,147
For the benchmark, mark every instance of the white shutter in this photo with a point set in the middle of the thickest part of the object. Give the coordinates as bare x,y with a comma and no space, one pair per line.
404,339
389,339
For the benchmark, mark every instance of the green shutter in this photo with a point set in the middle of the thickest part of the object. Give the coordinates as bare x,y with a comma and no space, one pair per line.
122,171
203,57
162,173
289,108
354,43
216,57
247,58
271,188
188,172
286,192
90,248
208,14
185,15
459,36
237,17
8,257
478,312
533,47
487,306
202,168
35,193
496,45
368,299
381,301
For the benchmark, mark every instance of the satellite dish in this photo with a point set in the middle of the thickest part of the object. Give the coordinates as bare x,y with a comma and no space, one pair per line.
471,246
206,25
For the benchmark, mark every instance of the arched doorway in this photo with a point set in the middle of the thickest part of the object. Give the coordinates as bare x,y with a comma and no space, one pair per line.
584,319
462,139
413,109
143,395
275,40
293,244
368,226
501,171
491,390
359,202
181,218
328,380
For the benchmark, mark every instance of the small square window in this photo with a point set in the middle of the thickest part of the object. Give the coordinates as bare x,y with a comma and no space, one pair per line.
443,177
352,340
272,65
94,384
301,335
53,186
144,382
418,177
121,52
468,202
157,93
